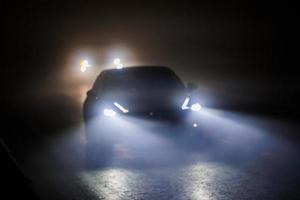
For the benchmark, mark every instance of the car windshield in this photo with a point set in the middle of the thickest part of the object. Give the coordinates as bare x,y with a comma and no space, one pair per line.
142,80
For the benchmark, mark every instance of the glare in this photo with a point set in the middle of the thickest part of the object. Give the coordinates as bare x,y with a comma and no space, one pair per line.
195,125
108,183
185,103
117,63
84,64
124,110
109,112
120,66
199,175
196,107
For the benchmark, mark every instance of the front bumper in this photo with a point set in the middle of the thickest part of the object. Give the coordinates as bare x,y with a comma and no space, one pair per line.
124,126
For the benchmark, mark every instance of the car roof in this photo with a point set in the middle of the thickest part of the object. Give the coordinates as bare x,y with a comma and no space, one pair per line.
144,69
141,68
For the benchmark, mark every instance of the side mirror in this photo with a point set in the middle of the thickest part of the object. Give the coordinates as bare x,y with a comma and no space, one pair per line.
91,93
191,86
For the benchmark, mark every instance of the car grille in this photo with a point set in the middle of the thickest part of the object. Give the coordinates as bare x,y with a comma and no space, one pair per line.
166,115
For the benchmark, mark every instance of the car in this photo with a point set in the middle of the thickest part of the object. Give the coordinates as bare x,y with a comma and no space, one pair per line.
148,93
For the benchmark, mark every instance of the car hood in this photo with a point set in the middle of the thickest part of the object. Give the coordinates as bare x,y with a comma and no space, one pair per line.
149,101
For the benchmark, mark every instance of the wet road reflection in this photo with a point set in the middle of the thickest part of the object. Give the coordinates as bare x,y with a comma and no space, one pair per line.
228,156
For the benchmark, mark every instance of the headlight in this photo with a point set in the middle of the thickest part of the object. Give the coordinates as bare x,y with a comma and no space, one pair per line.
196,107
109,112
185,103
124,110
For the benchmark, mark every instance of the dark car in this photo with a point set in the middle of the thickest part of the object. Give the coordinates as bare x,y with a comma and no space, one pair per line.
119,96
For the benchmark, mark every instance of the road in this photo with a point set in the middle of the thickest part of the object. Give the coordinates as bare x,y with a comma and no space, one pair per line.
229,156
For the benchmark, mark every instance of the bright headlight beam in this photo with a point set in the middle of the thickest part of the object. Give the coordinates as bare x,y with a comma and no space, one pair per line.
119,66
84,64
117,63
124,110
109,112
185,103
196,107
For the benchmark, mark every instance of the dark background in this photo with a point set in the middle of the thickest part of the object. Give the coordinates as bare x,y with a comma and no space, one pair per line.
240,53
239,49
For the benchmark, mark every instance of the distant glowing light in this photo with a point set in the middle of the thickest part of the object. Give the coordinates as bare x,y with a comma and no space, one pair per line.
82,68
195,125
185,103
196,107
109,112
124,110
120,66
84,64
117,63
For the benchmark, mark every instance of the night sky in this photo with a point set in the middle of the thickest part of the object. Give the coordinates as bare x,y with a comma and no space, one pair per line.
240,50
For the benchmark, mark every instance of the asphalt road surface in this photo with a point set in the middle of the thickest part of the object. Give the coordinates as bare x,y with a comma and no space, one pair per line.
228,156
